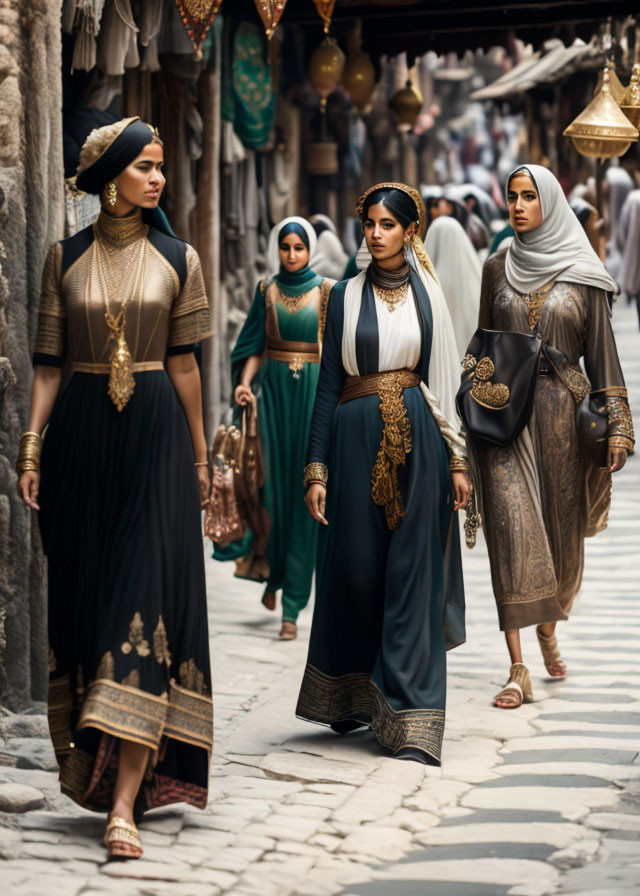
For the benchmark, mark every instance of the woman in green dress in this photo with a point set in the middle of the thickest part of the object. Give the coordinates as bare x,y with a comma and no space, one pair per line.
279,350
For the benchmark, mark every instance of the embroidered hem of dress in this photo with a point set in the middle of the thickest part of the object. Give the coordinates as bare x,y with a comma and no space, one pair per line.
326,699
130,713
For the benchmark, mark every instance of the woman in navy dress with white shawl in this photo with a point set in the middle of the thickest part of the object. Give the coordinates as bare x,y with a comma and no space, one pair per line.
386,470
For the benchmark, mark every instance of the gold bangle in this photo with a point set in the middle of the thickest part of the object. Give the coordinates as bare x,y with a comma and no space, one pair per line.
315,473
28,460
202,463
458,464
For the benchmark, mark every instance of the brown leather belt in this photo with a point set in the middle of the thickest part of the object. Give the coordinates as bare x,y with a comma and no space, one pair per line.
357,386
292,357
137,367
295,354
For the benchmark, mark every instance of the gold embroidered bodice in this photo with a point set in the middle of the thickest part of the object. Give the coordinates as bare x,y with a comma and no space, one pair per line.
161,313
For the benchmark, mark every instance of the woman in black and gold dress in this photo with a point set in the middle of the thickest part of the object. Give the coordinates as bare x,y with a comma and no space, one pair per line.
123,473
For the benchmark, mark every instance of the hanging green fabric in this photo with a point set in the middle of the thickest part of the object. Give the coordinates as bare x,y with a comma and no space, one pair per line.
248,99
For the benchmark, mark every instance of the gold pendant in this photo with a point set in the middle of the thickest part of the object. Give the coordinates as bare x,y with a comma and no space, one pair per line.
121,381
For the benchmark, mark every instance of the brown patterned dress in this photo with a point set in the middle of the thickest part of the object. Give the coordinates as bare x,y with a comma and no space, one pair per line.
541,496
120,518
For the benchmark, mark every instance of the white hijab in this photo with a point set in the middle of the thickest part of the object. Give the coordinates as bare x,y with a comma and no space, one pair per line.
273,249
331,259
558,249
459,273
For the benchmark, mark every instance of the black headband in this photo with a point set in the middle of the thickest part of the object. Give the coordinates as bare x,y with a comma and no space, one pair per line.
125,148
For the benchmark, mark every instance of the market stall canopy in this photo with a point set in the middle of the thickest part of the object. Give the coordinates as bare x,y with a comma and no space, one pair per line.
416,26
552,64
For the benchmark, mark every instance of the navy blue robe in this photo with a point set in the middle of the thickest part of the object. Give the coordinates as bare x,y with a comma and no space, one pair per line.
388,603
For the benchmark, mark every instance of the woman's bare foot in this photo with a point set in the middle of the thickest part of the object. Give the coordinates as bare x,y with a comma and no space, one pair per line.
289,631
553,662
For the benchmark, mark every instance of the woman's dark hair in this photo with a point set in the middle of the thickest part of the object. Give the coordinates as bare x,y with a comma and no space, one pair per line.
320,227
401,206
524,171
293,227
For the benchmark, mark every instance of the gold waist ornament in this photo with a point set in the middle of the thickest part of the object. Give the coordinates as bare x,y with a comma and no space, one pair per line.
395,443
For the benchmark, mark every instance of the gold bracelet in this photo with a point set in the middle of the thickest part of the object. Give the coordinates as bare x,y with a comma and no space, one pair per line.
28,460
315,473
458,464
202,463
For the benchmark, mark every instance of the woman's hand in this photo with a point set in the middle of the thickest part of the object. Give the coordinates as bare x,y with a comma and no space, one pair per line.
617,459
461,490
28,488
204,481
243,394
316,500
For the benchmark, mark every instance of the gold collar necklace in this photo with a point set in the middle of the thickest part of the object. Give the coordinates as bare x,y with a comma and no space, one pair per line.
392,287
120,231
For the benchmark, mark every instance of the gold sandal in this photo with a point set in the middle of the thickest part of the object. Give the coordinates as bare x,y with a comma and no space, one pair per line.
121,835
289,631
519,684
551,655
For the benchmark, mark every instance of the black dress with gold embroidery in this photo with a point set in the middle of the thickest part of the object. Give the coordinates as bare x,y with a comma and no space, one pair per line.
120,518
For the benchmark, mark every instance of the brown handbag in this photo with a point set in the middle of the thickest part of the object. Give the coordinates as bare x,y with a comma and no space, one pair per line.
250,480
224,521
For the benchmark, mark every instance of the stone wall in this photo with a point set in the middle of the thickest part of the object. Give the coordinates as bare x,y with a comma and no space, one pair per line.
31,218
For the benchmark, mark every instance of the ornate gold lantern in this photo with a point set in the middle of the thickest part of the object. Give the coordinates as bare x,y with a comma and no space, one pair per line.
407,103
325,68
616,87
630,102
325,71
602,131
359,78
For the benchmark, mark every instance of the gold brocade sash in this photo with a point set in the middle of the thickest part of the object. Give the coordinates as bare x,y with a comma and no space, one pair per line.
395,444
136,367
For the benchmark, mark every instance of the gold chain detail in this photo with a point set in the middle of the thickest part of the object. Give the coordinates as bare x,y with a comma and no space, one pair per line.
395,445
392,297
110,279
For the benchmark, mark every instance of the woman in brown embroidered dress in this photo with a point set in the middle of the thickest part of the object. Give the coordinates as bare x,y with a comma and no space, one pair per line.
542,496
124,467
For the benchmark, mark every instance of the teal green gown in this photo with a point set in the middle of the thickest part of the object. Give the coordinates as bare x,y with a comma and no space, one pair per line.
286,320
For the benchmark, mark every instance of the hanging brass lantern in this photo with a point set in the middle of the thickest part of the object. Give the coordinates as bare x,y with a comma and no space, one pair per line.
616,87
407,104
602,131
325,68
630,103
359,78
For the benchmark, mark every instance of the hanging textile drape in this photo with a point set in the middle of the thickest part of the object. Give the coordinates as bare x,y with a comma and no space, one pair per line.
270,12
197,17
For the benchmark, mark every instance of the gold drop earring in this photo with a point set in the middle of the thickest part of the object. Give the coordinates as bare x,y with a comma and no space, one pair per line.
112,193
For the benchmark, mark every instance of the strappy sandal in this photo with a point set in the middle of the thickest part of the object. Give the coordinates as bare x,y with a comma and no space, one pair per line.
122,839
289,631
551,655
269,599
518,688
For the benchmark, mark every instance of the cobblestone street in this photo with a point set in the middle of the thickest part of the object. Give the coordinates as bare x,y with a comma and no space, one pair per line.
541,800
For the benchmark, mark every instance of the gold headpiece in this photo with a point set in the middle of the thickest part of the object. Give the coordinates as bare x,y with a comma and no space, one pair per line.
410,191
